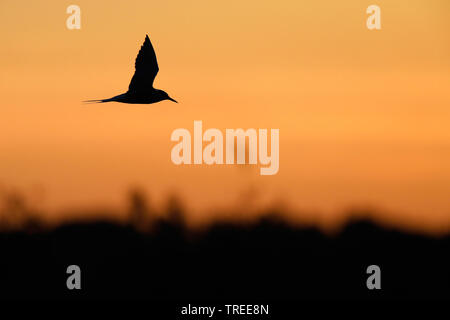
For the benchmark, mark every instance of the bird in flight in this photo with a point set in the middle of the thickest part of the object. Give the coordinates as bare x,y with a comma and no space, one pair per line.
140,90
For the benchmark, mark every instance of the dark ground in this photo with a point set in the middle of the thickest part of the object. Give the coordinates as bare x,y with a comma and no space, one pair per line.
266,261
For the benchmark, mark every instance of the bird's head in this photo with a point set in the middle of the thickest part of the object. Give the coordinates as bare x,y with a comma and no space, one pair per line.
164,96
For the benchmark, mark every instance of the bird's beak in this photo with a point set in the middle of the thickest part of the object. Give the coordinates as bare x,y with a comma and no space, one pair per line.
173,100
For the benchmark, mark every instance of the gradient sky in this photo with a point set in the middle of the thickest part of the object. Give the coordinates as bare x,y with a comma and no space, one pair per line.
363,115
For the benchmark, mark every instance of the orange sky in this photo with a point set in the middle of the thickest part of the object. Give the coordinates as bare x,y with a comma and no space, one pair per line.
363,115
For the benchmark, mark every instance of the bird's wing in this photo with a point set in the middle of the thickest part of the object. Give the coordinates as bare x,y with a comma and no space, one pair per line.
146,68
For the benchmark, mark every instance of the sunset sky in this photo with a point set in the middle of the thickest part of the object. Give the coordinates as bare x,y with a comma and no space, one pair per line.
364,116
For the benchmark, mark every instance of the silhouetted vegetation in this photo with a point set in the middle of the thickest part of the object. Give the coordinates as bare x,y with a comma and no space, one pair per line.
157,257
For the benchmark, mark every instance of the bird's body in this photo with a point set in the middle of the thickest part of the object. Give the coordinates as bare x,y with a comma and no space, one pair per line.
152,96
140,90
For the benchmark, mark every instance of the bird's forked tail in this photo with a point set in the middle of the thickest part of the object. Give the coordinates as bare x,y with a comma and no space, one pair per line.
96,101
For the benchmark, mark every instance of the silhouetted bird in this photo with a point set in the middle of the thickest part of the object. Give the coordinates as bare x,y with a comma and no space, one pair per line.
141,88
